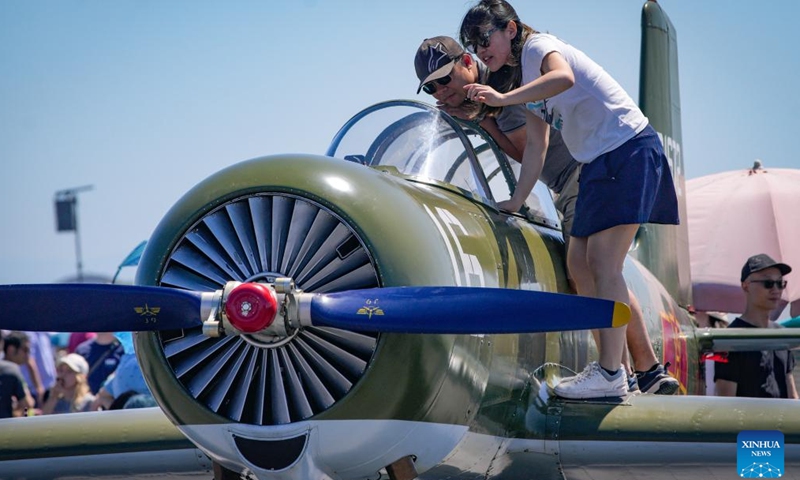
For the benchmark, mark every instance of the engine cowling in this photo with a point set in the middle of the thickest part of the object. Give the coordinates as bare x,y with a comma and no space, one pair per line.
248,400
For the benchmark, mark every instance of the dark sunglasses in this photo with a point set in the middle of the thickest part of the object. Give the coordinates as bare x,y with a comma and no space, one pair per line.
484,40
768,284
430,87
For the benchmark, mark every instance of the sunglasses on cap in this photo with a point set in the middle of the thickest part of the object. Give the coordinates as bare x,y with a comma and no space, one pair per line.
430,87
768,284
484,40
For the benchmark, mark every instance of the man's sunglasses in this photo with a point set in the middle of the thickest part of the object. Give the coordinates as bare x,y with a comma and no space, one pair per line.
768,284
430,87
484,40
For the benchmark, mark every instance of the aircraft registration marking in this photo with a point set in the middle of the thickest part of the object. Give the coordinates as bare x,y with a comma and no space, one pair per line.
672,150
451,228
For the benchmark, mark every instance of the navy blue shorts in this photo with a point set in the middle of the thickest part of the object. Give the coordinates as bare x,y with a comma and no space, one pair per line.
629,185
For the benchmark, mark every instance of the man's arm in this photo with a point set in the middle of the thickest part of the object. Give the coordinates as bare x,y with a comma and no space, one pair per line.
791,388
532,161
22,396
102,400
33,369
512,143
725,388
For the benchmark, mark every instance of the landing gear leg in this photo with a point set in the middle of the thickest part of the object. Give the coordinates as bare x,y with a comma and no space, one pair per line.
222,473
402,469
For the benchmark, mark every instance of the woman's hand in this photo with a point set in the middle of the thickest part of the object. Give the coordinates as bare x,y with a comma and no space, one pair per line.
485,94
57,390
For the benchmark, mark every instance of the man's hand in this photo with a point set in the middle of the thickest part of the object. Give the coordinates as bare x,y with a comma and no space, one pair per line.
510,205
459,111
102,401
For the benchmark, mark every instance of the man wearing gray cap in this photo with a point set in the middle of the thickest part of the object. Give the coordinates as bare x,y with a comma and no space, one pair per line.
765,373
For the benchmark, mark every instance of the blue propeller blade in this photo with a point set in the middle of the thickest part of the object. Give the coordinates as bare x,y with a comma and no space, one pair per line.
97,308
462,310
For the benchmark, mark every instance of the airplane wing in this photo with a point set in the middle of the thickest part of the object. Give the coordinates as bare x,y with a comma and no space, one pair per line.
748,339
598,441
134,443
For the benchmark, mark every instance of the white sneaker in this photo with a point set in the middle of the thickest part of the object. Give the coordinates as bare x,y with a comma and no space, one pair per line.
592,383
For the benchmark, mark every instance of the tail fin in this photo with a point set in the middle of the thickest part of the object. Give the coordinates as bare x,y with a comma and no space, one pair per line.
664,249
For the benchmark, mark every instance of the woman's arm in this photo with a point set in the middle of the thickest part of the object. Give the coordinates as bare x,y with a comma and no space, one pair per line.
50,404
557,76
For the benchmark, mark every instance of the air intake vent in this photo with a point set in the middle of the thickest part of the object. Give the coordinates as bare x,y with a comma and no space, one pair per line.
251,379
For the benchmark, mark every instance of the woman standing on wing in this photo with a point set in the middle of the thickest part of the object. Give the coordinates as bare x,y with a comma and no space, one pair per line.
625,179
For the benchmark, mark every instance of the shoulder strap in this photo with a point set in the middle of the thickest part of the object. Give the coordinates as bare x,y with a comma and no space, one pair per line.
103,357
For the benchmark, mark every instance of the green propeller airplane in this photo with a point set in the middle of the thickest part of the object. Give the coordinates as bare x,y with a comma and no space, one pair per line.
371,314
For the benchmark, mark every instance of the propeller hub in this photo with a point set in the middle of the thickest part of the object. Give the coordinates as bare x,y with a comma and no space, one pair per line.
251,307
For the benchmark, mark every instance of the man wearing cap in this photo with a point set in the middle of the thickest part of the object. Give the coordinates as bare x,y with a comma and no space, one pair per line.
14,394
444,68
764,373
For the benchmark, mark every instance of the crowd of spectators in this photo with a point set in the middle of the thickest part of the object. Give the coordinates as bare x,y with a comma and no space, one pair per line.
45,373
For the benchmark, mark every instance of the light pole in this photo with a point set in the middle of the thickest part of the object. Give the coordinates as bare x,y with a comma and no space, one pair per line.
66,204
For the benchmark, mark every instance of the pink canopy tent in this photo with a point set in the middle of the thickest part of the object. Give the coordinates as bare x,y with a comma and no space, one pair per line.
733,215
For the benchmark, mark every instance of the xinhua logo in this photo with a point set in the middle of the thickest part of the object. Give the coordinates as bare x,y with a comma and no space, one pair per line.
760,454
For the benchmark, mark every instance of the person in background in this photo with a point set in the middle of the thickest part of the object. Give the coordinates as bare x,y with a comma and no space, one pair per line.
126,382
41,371
15,397
102,353
71,391
76,338
17,349
765,373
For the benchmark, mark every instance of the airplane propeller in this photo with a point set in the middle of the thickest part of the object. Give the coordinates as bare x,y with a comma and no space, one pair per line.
464,310
280,308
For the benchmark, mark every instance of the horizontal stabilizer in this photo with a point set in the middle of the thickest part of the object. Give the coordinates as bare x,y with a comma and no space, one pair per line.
748,339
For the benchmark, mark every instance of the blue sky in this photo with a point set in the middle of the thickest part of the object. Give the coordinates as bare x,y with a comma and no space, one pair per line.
143,99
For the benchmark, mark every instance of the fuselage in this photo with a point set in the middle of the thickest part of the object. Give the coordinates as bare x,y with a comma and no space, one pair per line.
415,216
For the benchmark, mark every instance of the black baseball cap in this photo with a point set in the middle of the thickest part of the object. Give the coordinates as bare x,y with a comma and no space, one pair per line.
762,261
435,58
